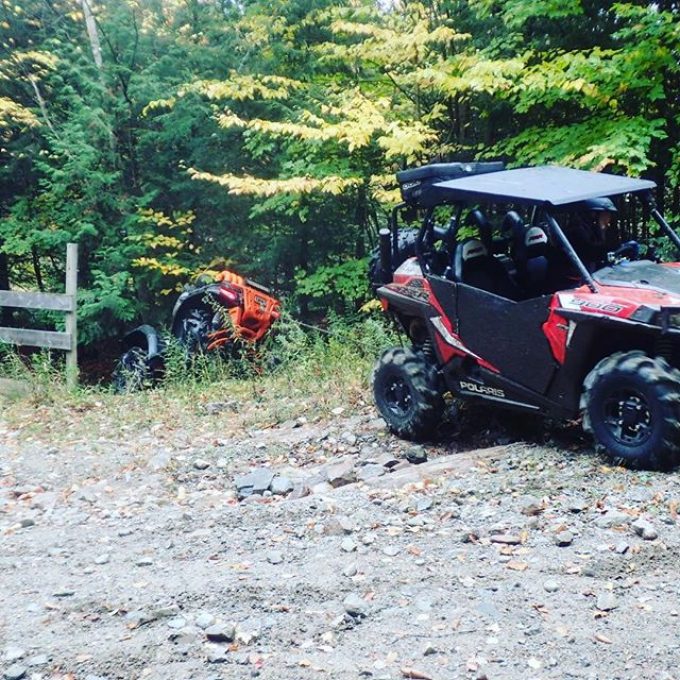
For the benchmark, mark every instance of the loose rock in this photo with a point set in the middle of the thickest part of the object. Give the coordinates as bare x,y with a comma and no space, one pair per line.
606,601
221,632
15,672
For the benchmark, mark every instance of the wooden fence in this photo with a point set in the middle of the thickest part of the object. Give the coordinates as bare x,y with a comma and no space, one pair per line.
61,302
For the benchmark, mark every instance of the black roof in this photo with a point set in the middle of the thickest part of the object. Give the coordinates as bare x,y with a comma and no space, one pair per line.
545,185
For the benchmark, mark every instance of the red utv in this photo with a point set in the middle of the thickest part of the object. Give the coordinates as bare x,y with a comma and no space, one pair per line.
505,310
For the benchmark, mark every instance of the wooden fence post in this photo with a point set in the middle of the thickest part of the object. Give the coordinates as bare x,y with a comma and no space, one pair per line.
66,302
72,316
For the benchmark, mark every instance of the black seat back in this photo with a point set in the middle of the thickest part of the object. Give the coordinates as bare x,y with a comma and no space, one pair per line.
531,259
476,267
478,219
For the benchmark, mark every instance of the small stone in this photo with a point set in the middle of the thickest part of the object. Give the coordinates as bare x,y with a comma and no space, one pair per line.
102,559
246,637
606,602
551,586
14,654
204,620
184,636
423,504
622,548
349,438
429,649
275,557
531,506
38,660
299,491
348,545
64,592
15,672
339,525
281,485
612,519
391,551
350,570
27,522
177,623
140,617
370,471
255,482
166,611
563,538
221,632
645,530
341,473
506,539
217,656
201,464
345,524
144,562
354,605
416,455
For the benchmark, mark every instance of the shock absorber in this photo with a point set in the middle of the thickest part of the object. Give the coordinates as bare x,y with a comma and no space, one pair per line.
428,351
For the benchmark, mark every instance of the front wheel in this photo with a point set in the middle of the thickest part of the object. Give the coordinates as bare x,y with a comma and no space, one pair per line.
407,393
631,405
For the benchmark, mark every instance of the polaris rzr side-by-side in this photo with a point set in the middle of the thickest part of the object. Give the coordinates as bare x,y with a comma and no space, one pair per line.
214,315
513,304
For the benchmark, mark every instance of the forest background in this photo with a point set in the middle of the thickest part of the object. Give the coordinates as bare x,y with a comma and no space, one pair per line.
167,137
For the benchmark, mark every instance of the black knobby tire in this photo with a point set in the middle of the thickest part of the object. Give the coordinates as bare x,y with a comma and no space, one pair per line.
631,405
194,326
406,247
407,393
132,372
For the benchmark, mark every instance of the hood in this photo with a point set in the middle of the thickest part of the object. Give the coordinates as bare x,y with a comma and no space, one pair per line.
643,275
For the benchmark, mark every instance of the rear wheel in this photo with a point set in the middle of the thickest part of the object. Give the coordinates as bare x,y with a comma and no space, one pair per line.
632,407
407,393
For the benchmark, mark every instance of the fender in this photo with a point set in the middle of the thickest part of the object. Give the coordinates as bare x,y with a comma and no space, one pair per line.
145,336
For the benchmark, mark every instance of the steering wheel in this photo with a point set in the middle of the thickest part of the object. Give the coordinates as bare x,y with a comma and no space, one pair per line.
630,250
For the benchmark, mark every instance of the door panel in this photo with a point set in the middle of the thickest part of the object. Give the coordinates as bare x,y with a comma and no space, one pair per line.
507,334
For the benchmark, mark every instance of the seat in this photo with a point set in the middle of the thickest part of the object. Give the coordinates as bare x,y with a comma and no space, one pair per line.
512,226
530,253
474,266
477,218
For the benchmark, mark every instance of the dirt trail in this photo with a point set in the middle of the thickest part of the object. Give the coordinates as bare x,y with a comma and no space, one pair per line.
132,557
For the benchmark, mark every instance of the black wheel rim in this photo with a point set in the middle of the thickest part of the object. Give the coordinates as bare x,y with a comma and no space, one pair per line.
398,396
627,417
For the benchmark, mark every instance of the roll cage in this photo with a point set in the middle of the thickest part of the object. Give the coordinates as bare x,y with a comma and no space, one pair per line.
543,191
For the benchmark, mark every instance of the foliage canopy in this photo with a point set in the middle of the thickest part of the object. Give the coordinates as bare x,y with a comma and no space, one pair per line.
168,138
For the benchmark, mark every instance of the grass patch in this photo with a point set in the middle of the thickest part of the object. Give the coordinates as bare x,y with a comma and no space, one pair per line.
296,372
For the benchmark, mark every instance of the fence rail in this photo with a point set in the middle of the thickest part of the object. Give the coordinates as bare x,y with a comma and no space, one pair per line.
60,302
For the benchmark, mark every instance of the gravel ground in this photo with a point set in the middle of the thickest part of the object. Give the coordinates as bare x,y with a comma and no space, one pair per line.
137,556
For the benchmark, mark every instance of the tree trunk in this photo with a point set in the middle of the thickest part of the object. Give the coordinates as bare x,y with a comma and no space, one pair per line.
92,34
5,312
